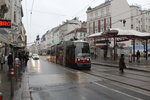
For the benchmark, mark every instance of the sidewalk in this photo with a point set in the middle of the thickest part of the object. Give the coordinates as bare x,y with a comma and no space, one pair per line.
5,84
144,64
23,93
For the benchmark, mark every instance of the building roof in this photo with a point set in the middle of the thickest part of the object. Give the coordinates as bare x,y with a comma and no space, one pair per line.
99,6
78,30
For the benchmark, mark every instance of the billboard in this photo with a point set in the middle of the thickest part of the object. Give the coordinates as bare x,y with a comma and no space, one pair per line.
5,23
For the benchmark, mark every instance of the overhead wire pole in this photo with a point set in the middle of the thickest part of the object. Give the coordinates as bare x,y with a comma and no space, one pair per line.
26,13
31,15
28,29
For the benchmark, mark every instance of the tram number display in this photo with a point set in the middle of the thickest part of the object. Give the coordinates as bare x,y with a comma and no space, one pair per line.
5,23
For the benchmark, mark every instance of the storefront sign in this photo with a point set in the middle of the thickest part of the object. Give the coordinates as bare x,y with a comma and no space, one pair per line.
5,23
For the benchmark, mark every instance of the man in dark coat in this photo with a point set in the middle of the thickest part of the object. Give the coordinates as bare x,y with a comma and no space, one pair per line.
10,61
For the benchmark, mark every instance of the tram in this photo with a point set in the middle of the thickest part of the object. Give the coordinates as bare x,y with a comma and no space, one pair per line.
51,52
72,53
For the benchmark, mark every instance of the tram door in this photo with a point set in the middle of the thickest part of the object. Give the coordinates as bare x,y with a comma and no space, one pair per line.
70,55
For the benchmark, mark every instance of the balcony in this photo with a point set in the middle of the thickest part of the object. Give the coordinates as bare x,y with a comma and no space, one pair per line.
4,7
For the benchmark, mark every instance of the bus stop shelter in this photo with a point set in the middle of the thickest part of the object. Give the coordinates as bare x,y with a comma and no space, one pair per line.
123,35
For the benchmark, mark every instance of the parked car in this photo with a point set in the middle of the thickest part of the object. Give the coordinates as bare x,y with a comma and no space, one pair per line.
35,56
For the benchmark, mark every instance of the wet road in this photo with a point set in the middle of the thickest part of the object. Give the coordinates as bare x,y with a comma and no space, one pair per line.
48,81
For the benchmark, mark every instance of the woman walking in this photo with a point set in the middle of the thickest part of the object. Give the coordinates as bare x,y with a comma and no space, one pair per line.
122,63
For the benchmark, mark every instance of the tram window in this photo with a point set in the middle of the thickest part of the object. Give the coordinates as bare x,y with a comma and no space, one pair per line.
82,49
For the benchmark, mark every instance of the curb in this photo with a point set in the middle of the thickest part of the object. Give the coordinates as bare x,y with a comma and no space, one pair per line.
23,93
116,66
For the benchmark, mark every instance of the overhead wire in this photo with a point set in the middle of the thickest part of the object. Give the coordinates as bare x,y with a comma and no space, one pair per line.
128,11
77,12
84,7
132,16
43,12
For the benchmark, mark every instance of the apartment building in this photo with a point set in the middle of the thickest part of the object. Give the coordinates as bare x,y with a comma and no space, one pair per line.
110,14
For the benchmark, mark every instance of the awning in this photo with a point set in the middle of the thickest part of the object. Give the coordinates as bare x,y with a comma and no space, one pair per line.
117,32
121,32
95,35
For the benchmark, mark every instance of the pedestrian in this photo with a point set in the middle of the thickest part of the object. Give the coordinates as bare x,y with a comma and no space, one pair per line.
2,61
138,56
122,64
26,57
10,61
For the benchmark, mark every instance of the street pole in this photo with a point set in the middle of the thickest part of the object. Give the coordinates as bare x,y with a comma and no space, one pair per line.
1,96
11,82
114,48
146,50
133,49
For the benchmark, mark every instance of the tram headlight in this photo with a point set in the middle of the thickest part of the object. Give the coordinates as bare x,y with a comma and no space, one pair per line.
78,59
88,59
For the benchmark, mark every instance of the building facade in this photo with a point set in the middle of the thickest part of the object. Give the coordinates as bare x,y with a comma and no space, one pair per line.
4,33
57,34
16,34
108,15
117,14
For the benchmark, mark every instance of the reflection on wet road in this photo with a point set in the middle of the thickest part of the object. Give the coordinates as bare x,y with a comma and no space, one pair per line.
48,81
36,65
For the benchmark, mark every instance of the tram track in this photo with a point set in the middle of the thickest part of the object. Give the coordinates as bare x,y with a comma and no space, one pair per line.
116,81
104,77
107,78
125,75
139,72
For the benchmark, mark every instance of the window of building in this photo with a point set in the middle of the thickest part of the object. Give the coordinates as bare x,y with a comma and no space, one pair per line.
137,28
96,14
107,10
14,16
91,16
99,13
102,12
80,34
131,26
102,29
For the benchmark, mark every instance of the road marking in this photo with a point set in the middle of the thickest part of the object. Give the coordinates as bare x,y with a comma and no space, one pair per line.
117,91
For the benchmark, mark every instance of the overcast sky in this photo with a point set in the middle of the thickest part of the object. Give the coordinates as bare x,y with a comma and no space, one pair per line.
42,15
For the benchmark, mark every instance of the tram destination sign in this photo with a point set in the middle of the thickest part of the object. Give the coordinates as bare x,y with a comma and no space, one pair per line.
5,23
